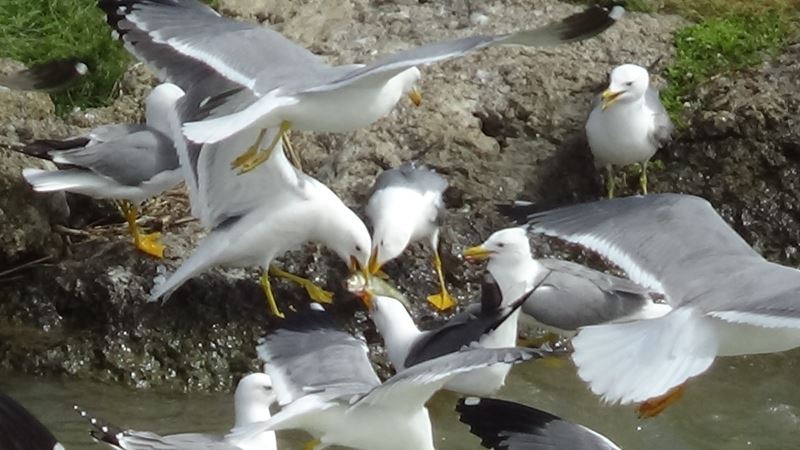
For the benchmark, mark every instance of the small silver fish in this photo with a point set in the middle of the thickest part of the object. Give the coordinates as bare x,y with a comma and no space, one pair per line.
358,283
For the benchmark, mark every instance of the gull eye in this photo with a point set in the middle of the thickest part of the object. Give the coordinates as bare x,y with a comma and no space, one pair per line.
501,245
358,248
629,83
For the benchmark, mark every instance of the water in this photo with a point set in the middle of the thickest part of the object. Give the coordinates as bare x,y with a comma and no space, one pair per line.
742,403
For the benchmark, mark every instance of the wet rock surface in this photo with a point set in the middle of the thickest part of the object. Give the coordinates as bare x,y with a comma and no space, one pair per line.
500,124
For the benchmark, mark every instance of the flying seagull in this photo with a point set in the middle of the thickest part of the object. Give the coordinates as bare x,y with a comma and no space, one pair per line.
20,430
405,205
327,387
48,76
252,400
627,124
249,228
130,163
487,324
252,77
727,299
561,296
505,425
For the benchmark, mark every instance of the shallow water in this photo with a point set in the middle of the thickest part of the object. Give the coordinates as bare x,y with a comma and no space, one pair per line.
742,403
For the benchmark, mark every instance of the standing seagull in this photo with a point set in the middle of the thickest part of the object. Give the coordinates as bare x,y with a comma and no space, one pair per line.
727,299
20,430
49,76
249,228
253,397
628,123
405,206
561,296
504,425
482,324
130,163
269,81
327,387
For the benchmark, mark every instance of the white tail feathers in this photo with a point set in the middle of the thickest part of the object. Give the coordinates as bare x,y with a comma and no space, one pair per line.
63,180
206,255
635,361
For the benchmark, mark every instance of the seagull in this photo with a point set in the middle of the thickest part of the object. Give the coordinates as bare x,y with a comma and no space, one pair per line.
252,400
327,387
628,123
249,228
484,324
505,425
263,80
727,299
405,205
20,430
125,162
48,76
560,296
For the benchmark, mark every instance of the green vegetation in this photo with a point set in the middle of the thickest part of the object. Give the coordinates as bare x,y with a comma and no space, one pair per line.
33,31
729,36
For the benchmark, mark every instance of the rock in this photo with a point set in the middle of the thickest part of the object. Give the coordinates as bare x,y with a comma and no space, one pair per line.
499,124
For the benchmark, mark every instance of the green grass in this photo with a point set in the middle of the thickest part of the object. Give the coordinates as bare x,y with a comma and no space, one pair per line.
37,30
722,44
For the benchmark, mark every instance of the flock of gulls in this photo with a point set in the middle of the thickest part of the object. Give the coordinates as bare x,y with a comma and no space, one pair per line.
220,122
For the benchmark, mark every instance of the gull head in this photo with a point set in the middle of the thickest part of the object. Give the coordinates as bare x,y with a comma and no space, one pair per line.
349,238
253,397
409,79
628,83
508,247
388,243
160,104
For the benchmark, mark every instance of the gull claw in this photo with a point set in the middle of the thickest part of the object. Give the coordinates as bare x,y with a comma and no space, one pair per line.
442,301
150,244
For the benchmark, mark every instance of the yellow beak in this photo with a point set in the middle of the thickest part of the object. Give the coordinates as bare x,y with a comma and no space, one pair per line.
374,267
609,97
477,253
356,267
416,96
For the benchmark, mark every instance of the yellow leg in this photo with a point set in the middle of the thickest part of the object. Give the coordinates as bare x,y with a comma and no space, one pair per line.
293,156
312,444
657,405
147,243
267,287
251,151
260,156
443,300
316,293
643,178
610,181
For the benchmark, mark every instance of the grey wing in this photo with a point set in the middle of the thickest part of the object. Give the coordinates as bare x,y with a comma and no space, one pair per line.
583,25
412,387
662,127
311,354
191,45
129,160
661,241
501,424
412,175
112,132
572,297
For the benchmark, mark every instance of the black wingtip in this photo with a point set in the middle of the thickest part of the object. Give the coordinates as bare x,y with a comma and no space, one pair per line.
308,320
49,76
590,22
518,211
20,430
493,421
101,430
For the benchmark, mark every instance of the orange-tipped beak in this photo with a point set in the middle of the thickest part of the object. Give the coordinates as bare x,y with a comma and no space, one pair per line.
416,96
367,298
476,253
609,97
374,267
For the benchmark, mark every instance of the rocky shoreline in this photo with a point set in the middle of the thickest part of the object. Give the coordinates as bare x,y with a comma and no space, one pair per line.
500,125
